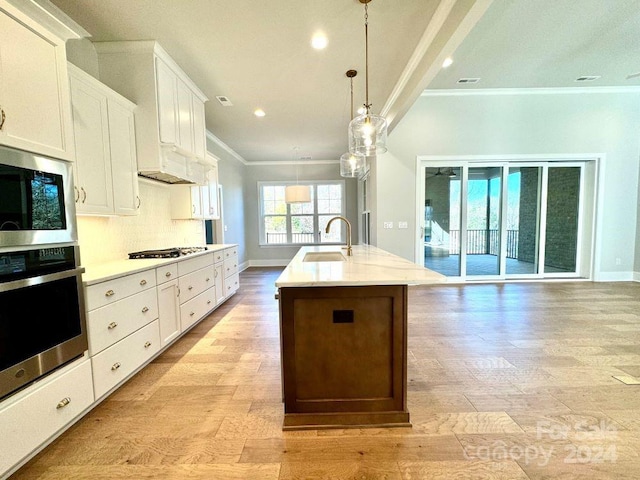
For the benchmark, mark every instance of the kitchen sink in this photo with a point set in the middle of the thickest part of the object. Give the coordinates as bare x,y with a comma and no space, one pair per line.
323,257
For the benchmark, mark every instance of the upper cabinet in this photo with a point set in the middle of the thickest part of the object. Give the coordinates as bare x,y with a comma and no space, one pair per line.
35,113
105,171
170,126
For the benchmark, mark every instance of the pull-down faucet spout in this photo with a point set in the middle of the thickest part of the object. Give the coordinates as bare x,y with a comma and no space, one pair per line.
349,250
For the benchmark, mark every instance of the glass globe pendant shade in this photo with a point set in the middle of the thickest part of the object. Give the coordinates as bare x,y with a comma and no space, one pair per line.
368,135
297,194
352,165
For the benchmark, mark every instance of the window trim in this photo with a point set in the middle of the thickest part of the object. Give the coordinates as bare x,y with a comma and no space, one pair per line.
314,183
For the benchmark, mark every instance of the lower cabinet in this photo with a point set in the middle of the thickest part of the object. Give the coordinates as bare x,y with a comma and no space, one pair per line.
130,319
116,363
34,416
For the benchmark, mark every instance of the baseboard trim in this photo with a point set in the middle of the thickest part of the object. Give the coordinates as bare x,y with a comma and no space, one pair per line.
636,276
269,263
616,277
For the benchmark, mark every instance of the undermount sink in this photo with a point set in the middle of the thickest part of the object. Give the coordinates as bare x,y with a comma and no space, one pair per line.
323,257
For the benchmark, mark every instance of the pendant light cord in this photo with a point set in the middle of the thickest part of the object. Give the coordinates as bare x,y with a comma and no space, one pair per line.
367,105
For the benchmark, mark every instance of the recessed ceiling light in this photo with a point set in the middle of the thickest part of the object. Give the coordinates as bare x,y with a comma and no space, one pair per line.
319,41
259,112
447,62
587,78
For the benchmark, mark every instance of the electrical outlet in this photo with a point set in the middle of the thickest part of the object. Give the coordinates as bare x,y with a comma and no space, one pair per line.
618,261
403,225
388,224
225,228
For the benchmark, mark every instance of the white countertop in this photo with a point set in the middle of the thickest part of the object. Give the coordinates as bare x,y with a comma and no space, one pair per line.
107,271
367,266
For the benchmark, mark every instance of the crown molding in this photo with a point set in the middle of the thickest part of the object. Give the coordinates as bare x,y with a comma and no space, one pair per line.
225,147
528,91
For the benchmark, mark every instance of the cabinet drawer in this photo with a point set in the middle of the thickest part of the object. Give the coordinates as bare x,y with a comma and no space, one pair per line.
196,308
111,291
230,252
230,265
28,422
193,264
111,323
116,363
195,283
218,256
231,284
166,273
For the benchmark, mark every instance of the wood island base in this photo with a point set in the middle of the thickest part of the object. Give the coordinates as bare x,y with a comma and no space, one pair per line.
344,356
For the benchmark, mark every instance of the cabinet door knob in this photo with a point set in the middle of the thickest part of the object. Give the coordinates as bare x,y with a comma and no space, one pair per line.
168,274
109,293
207,279
208,302
147,344
112,325
63,403
192,314
143,282
190,287
115,366
145,309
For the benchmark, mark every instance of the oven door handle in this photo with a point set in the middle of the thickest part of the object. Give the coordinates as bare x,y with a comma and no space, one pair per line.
40,279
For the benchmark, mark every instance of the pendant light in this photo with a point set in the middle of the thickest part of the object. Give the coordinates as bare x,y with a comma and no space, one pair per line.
297,193
367,132
352,164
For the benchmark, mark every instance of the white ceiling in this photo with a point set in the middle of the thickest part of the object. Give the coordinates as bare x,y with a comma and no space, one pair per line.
258,54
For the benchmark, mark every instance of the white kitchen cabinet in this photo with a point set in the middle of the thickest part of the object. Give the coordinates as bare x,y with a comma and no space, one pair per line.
186,202
230,269
209,193
115,364
105,170
42,411
169,118
169,311
35,111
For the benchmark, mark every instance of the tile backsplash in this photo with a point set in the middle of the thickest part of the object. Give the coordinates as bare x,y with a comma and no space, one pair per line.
105,239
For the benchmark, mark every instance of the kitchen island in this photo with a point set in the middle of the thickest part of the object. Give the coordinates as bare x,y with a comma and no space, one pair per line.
343,332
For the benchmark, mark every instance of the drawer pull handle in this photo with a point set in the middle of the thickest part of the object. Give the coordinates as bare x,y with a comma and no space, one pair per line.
110,293
63,403
115,366
168,274
147,344
112,325
208,279
192,314
215,274
143,282
145,309
190,287
208,302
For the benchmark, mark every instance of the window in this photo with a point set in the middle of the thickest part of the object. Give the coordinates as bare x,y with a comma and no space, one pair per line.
300,223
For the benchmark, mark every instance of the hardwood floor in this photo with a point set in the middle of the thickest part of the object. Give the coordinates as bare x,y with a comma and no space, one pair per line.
506,381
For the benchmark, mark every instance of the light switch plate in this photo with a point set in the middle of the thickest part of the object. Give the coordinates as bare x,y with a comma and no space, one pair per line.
388,224
403,225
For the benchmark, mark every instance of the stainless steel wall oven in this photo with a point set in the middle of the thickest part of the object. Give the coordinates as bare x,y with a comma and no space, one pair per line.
42,311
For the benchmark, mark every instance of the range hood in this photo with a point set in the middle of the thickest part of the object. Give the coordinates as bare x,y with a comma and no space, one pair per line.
176,168
165,178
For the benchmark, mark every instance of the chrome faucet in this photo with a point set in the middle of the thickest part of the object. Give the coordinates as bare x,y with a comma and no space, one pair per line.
349,250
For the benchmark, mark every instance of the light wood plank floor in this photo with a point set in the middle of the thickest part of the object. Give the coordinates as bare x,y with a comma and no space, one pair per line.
506,381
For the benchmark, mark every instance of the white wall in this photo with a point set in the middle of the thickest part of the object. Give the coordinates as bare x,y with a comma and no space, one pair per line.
523,124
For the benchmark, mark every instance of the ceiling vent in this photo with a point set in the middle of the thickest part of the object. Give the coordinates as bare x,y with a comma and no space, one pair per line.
224,101
587,78
468,80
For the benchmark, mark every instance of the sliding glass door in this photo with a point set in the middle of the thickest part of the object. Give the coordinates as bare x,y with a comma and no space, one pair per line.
502,220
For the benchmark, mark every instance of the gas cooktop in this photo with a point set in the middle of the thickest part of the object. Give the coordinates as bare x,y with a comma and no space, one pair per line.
166,252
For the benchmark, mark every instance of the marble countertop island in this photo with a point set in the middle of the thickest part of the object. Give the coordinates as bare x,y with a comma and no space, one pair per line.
367,266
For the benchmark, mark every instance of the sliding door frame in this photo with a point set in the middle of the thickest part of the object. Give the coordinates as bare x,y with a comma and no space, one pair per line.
592,167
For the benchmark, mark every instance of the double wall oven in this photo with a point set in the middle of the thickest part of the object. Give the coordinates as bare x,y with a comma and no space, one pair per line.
42,313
